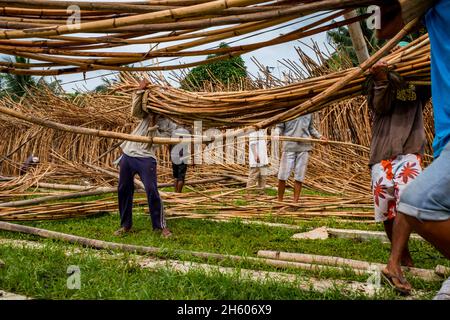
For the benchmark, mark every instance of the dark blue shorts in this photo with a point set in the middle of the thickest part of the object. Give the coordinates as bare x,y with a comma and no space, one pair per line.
179,171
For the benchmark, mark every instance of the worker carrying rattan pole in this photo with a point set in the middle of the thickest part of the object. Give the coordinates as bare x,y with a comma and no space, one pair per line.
139,158
295,155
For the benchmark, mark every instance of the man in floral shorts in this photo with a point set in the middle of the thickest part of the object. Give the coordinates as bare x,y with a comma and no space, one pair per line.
398,141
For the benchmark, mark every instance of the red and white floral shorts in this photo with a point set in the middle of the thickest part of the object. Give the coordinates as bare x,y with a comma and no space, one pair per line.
389,179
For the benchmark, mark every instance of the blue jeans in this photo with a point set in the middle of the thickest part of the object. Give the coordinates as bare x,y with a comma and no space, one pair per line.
428,196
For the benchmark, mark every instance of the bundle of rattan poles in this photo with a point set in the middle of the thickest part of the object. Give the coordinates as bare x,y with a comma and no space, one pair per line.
251,107
62,37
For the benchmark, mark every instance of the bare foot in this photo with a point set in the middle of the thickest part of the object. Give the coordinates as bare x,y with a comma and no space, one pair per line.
122,231
165,233
395,277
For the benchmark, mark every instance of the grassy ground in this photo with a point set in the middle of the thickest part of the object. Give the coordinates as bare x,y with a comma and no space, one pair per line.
231,238
42,273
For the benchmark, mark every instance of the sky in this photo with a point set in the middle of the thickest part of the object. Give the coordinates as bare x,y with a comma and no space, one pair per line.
268,56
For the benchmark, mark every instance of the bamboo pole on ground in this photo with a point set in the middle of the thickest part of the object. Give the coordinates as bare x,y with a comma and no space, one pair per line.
87,191
65,196
442,270
426,274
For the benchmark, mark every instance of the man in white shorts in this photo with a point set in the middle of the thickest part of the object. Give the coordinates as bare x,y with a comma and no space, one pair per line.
295,154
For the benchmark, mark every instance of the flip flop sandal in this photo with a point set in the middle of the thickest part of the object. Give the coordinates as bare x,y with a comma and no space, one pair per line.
389,280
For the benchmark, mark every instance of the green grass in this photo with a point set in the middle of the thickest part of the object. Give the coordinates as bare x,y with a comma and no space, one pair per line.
311,192
42,274
234,238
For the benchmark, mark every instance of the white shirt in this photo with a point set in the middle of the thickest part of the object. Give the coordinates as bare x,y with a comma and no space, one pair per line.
258,139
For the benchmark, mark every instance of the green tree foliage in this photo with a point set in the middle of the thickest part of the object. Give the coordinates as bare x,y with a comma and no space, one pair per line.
341,40
225,72
105,86
16,85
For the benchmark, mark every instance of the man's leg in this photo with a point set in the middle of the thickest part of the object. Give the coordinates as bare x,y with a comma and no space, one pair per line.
435,232
281,189
286,165
400,237
125,191
297,190
387,185
301,163
262,178
147,173
396,175
175,177
388,226
426,204
252,177
406,259
180,185
385,211
406,169
425,207
181,176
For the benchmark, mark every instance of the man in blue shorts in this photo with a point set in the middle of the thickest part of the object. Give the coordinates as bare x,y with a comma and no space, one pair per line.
425,204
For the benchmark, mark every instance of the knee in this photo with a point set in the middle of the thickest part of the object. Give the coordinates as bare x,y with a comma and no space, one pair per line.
410,197
125,187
